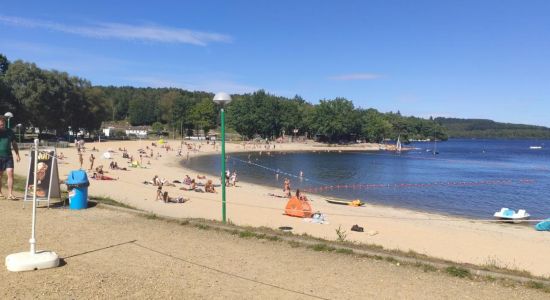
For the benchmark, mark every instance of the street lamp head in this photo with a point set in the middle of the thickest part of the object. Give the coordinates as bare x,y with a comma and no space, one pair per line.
8,115
19,125
222,98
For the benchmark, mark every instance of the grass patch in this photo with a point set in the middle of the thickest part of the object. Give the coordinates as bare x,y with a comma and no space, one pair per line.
415,254
151,216
294,244
425,267
272,238
535,285
344,251
322,247
109,201
391,259
202,226
246,234
458,272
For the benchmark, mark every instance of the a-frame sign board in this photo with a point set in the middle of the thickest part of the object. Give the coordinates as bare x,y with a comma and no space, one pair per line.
47,186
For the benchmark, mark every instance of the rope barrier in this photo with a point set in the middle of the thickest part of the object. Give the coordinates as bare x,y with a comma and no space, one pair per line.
365,186
277,171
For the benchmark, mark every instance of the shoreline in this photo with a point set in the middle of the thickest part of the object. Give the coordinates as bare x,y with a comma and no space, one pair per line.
457,239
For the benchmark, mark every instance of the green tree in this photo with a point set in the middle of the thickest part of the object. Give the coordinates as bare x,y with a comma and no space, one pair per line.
337,119
141,111
203,115
182,111
4,64
375,127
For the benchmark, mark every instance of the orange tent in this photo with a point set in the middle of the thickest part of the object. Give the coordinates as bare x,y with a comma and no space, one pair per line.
298,208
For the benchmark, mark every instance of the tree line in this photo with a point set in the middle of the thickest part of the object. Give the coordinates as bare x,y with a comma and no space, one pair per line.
481,128
53,100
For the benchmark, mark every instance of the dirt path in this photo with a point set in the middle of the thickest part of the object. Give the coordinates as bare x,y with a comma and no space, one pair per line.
113,254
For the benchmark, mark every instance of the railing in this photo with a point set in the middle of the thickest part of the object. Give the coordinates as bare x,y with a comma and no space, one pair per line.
44,143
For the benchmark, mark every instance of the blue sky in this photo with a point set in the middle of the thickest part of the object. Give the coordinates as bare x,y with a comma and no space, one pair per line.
468,59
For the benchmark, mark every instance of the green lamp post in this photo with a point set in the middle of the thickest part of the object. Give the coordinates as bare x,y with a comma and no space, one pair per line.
222,99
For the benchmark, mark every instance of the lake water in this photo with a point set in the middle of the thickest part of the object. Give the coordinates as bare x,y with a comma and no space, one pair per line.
472,178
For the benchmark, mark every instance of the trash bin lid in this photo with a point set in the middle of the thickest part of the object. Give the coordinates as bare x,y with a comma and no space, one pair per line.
77,177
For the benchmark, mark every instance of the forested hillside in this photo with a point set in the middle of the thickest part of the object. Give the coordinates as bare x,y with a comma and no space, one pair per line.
50,100
479,128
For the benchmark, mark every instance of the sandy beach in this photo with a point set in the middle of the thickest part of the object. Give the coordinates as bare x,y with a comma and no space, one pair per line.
459,240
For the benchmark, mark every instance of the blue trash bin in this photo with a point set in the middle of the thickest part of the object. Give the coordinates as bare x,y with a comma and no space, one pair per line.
77,185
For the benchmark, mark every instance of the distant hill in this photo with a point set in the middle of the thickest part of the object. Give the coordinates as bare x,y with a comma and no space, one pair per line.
480,128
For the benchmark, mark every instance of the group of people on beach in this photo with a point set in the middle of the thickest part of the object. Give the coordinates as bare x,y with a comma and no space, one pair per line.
191,184
288,193
230,178
99,174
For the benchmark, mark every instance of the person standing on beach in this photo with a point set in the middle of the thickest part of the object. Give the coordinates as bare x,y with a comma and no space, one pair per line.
92,158
7,141
286,187
80,158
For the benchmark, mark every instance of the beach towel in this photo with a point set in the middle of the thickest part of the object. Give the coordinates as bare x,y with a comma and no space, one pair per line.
317,218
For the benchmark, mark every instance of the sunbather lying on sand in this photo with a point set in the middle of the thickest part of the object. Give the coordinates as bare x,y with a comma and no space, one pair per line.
168,199
165,182
193,187
275,195
99,176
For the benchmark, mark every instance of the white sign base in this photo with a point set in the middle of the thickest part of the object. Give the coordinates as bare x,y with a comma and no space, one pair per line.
27,261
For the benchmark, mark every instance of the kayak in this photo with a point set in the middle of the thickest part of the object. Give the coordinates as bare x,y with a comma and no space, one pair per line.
344,202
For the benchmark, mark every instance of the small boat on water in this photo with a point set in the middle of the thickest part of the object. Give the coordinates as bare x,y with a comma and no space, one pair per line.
507,214
535,147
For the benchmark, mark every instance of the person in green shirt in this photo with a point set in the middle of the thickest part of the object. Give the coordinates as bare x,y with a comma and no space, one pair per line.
7,141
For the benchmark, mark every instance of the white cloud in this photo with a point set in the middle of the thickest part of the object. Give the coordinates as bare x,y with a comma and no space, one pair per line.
150,33
356,76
